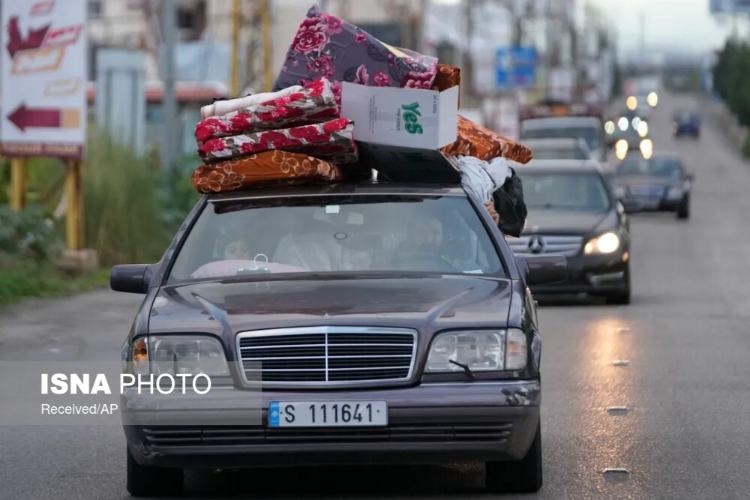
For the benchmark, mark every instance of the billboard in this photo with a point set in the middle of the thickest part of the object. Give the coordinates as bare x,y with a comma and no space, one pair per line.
43,78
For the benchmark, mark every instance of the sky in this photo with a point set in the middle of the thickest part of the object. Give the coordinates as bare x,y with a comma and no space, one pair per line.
670,25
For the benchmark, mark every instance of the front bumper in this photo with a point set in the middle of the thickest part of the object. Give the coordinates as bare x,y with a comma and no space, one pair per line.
428,423
594,274
650,204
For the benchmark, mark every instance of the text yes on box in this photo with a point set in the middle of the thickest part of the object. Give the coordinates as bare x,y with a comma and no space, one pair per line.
401,117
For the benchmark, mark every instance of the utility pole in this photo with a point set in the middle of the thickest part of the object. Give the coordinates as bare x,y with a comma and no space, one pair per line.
234,79
169,103
265,28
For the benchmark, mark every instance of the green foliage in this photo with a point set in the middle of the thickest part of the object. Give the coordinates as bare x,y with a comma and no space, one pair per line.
20,279
123,205
732,78
29,234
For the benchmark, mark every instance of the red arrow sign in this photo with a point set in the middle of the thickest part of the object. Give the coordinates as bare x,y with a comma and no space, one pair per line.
23,117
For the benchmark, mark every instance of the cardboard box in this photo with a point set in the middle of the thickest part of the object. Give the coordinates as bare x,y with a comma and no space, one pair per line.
413,118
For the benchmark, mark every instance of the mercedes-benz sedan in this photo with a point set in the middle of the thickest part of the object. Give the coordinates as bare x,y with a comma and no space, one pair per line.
573,213
369,323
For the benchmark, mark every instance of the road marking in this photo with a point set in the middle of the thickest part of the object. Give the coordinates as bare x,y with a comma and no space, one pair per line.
621,362
615,474
623,330
618,410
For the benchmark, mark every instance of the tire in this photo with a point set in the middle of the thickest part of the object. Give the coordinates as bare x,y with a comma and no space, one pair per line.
620,298
683,211
145,481
520,476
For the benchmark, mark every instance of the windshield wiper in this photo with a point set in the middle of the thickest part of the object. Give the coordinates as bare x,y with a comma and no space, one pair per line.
466,368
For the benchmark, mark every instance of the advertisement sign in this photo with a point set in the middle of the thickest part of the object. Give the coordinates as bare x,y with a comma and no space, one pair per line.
515,67
43,78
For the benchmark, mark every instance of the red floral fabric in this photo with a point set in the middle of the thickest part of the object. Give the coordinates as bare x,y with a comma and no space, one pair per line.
267,167
331,140
314,103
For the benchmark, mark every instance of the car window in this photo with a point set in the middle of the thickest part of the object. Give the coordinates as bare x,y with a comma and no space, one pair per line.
325,234
660,167
565,191
589,134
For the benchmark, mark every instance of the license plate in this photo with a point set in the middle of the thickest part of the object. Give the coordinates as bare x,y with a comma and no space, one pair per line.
327,414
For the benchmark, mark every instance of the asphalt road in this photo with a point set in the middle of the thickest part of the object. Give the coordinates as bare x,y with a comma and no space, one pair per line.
686,383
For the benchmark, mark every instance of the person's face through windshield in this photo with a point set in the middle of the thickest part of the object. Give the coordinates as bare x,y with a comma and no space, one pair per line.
428,233
237,250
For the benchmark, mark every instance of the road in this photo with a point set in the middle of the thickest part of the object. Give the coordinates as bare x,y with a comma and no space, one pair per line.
686,383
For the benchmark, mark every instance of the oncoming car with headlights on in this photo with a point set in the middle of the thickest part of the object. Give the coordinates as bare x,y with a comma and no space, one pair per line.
374,323
573,213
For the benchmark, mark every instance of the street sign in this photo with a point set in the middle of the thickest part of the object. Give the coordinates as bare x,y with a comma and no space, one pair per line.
515,67
729,6
43,78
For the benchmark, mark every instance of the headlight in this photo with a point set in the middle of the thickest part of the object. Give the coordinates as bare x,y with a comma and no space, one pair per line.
621,149
647,148
176,354
603,244
479,350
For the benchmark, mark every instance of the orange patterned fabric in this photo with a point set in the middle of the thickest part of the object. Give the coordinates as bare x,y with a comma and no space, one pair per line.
447,76
483,143
267,167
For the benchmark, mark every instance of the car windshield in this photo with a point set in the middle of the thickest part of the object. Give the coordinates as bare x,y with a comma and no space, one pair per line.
561,153
328,234
582,191
659,167
589,134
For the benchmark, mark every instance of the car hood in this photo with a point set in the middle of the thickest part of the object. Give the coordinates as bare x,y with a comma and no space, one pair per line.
424,303
562,221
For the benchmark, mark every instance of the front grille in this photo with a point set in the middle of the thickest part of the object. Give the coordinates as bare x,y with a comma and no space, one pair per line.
220,435
327,356
567,246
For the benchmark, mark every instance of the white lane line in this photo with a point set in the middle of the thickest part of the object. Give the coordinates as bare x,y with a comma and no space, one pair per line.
621,362
618,410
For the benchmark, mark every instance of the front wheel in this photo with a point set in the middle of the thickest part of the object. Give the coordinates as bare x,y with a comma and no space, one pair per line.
145,481
620,298
683,211
521,476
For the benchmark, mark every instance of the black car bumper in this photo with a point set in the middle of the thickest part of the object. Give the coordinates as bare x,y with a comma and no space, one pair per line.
594,274
643,204
428,423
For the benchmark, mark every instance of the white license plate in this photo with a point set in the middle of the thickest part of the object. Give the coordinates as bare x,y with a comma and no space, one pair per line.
327,414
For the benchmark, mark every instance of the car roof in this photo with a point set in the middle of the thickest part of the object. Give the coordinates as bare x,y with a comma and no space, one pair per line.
559,166
560,122
554,142
342,188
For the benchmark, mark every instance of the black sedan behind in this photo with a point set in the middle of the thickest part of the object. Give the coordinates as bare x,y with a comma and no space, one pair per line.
573,212
659,183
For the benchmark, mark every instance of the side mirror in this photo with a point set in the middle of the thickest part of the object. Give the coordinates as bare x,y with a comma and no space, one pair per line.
131,278
544,269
